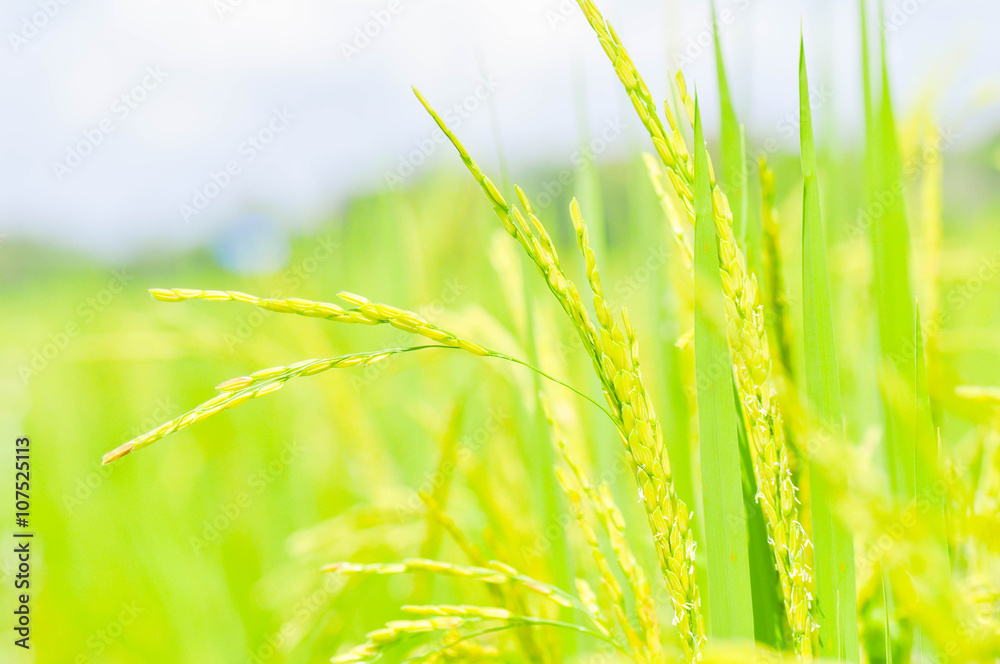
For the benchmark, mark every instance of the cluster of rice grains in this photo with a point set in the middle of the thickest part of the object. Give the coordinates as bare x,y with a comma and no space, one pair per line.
747,338
613,349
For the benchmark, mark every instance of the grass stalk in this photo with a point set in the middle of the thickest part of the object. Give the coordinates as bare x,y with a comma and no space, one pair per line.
833,543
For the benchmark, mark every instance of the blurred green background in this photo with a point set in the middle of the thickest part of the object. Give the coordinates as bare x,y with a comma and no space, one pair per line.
206,547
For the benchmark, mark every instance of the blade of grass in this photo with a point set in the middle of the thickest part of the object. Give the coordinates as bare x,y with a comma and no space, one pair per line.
866,76
753,224
730,606
773,282
588,180
734,165
910,438
928,462
886,211
833,545
880,191
886,602
765,584
764,581
927,478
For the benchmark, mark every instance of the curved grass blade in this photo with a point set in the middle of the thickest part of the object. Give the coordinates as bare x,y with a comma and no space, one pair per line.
734,164
764,581
730,604
833,544
894,294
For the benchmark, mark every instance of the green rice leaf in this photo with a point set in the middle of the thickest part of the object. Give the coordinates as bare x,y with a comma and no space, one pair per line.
734,163
910,438
730,606
751,202
833,545
765,584
886,212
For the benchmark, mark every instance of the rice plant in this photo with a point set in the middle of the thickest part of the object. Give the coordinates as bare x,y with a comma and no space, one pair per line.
807,548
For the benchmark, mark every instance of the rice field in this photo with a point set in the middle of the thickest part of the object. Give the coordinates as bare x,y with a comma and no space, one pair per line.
710,406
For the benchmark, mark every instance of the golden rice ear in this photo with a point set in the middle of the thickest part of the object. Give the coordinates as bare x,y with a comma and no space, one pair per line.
614,359
239,390
748,344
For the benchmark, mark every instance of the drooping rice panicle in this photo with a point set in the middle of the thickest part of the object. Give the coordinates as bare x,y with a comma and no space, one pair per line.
609,583
365,312
644,444
465,651
443,474
588,598
260,383
265,381
393,633
457,616
459,610
669,208
496,573
613,523
511,596
614,353
775,299
439,617
747,339
534,240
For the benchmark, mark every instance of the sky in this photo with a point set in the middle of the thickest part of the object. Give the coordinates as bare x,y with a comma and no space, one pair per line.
134,125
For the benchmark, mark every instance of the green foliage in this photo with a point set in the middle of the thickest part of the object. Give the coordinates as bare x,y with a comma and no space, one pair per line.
730,605
405,453
833,543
